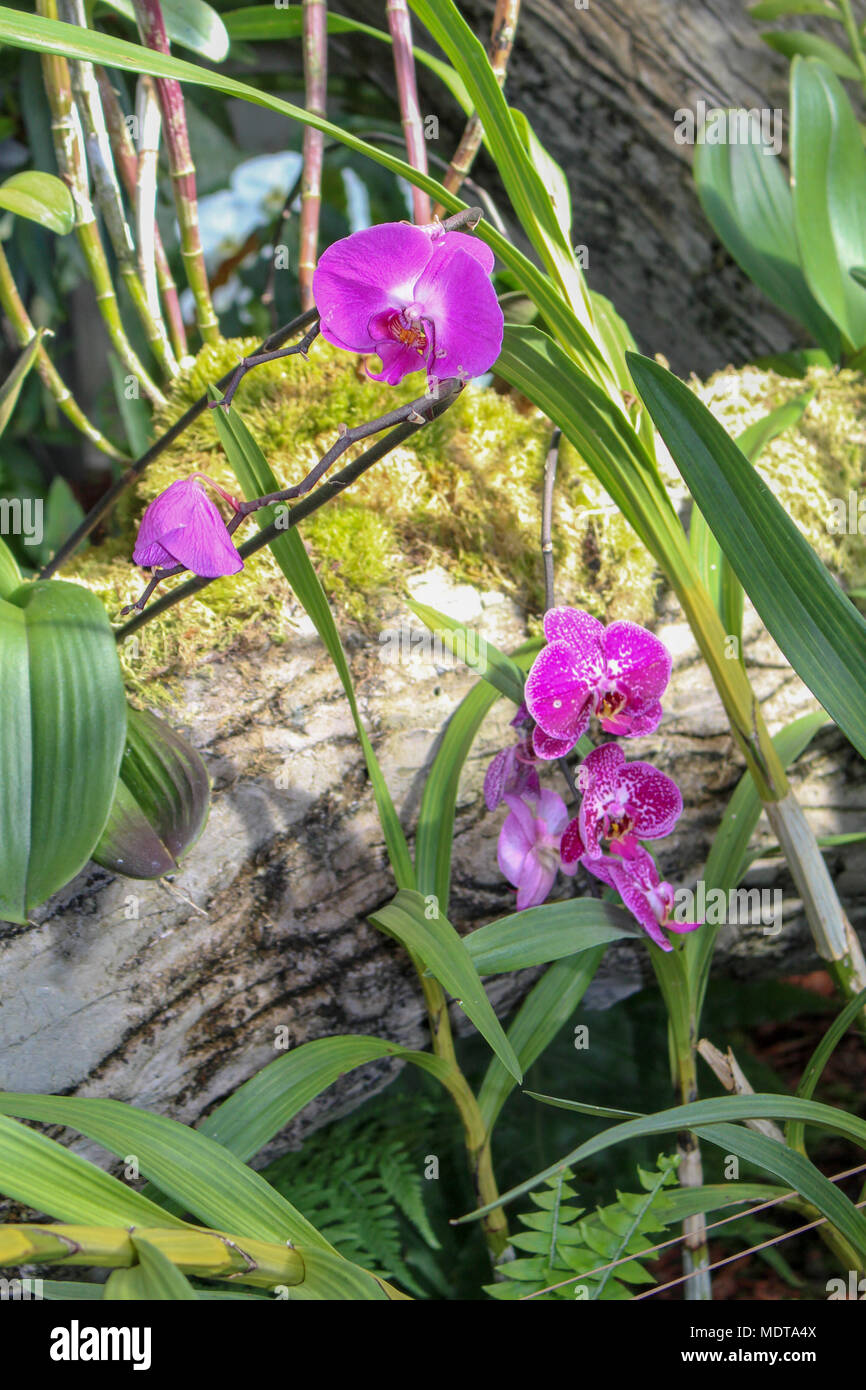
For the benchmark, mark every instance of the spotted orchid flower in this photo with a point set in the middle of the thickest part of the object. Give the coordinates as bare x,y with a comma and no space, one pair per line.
529,844
417,297
182,526
647,897
623,802
617,673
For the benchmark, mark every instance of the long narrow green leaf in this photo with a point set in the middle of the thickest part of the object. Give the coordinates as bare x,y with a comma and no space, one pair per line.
269,23
794,1130
550,932
262,1106
422,927
480,655
184,1164
11,387
710,1120
43,1175
256,479
547,1007
812,620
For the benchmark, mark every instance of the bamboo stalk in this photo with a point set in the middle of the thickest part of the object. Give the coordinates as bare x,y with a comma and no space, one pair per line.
149,124
316,90
22,326
499,51
126,161
400,26
71,164
108,195
148,14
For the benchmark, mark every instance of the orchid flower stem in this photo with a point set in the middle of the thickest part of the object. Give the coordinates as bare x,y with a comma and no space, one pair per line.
151,25
258,359
501,43
400,26
135,470
72,167
315,18
22,326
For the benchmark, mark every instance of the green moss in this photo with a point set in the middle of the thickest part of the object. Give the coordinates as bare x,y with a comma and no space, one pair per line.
808,466
463,492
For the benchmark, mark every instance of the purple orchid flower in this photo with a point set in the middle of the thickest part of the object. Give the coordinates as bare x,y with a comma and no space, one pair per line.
182,526
624,802
617,673
529,842
512,772
415,296
647,897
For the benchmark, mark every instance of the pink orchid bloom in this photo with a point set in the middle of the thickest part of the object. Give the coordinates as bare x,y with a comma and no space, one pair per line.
617,673
647,897
624,802
529,841
417,297
182,526
511,771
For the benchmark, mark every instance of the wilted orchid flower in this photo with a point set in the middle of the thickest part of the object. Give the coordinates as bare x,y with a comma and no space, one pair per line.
648,898
511,771
623,802
415,296
529,841
617,673
182,526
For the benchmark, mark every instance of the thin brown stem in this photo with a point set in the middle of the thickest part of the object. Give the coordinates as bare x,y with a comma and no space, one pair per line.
316,88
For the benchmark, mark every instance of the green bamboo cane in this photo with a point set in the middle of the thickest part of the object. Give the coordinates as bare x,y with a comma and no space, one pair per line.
69,153
316,89
22,326
108,196
148,14
126,160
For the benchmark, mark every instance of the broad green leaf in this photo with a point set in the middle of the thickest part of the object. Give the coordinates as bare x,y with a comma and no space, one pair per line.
711,1120
10,574
161,801
792,43
330,1278
256,479
541,934
11,388
153,1278
547,1007
265,1104
62,730
817,1062
269,23
420,925
682,1202
41,198
812,620
190,23
184,1164
746,197
828,167
43,1175
63,512
474,649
